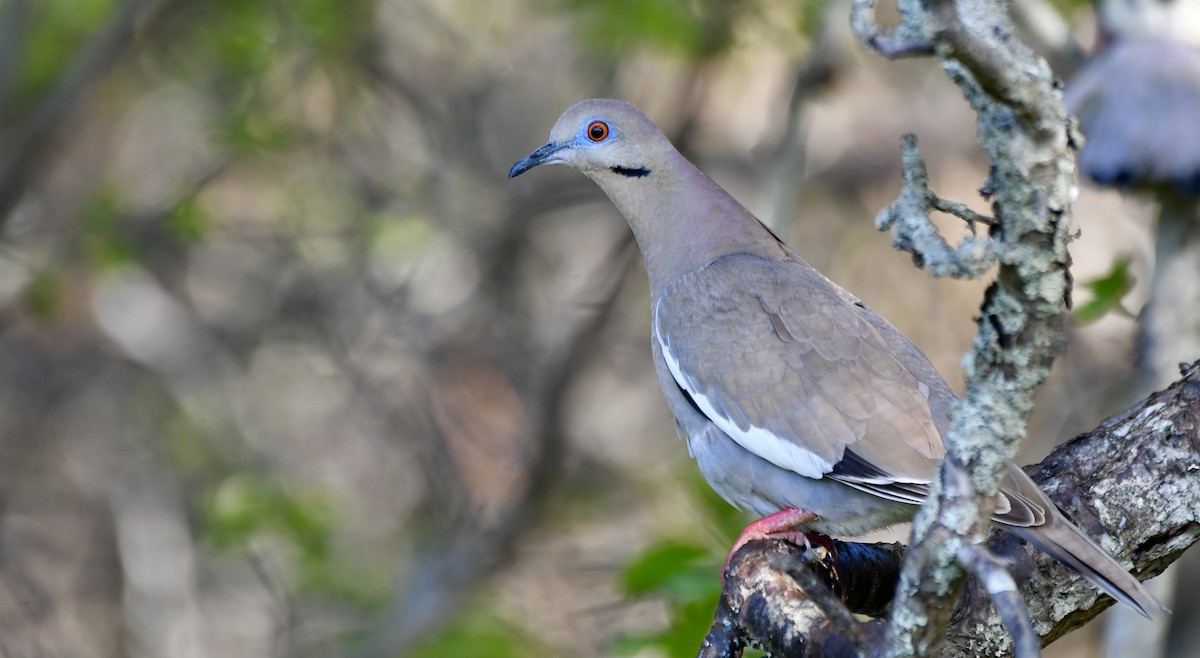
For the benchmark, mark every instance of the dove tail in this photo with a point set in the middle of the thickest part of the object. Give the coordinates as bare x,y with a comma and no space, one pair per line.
1067,544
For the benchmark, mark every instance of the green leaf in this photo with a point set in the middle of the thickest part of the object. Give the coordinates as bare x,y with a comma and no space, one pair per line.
306,520
253,130
237,511
1108,292
57,31
812,17
689,624
105,237
244,507
333,26
188,220
688,576
245,35
658,565
44,295
618,25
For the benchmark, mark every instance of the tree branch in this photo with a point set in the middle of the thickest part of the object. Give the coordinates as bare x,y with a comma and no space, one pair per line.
1130,481
774,595
1025,130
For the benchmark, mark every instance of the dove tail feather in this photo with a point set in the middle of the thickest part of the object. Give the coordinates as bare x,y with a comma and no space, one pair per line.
1067,544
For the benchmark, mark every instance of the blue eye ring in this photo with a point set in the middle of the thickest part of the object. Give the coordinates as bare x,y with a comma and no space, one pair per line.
597,131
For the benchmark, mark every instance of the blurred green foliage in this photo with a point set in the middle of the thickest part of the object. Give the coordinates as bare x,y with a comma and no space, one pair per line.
188,220
1108,293
242,36
247,37
618,25
251,130
682,572
479,633
44,296
60,27
334,29
1068,7
242,45
686,575
812,17
692,28
105,237
244,508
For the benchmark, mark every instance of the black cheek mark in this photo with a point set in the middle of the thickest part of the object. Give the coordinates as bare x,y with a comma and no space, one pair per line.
632,172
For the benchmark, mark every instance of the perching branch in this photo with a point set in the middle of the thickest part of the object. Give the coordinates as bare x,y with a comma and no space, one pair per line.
775,595
820,591
1130,482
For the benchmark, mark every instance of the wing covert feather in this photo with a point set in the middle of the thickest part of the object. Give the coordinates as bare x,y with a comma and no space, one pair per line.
782,349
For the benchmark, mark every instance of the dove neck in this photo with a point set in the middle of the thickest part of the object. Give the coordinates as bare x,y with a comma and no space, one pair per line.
683,220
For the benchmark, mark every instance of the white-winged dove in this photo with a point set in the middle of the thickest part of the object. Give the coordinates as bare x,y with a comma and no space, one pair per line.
1138,97
1138,104
799,403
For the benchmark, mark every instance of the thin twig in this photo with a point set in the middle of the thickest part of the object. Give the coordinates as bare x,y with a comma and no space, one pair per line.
913,229
890,45
961,211
1000,586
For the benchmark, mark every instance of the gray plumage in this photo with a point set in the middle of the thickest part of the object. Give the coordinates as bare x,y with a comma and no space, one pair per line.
791,392
1138,104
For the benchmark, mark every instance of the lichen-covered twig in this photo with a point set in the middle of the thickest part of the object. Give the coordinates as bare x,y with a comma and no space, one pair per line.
907,40
913,230
1025,129
995,579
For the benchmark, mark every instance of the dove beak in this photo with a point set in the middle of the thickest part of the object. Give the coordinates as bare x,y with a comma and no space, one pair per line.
544,155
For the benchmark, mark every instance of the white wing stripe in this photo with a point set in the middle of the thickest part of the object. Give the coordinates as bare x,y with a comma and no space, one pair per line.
762,442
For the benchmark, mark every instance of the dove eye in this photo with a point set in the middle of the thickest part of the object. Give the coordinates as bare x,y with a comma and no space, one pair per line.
597,131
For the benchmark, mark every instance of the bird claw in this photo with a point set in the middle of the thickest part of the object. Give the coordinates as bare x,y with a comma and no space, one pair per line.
780,525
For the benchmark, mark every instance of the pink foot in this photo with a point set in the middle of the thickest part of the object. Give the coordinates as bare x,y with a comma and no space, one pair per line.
780,525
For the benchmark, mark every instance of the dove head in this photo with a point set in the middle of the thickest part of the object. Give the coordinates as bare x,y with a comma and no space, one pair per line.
602,139
681,218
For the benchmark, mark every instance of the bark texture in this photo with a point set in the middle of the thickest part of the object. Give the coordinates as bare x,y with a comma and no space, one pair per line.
1133,483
